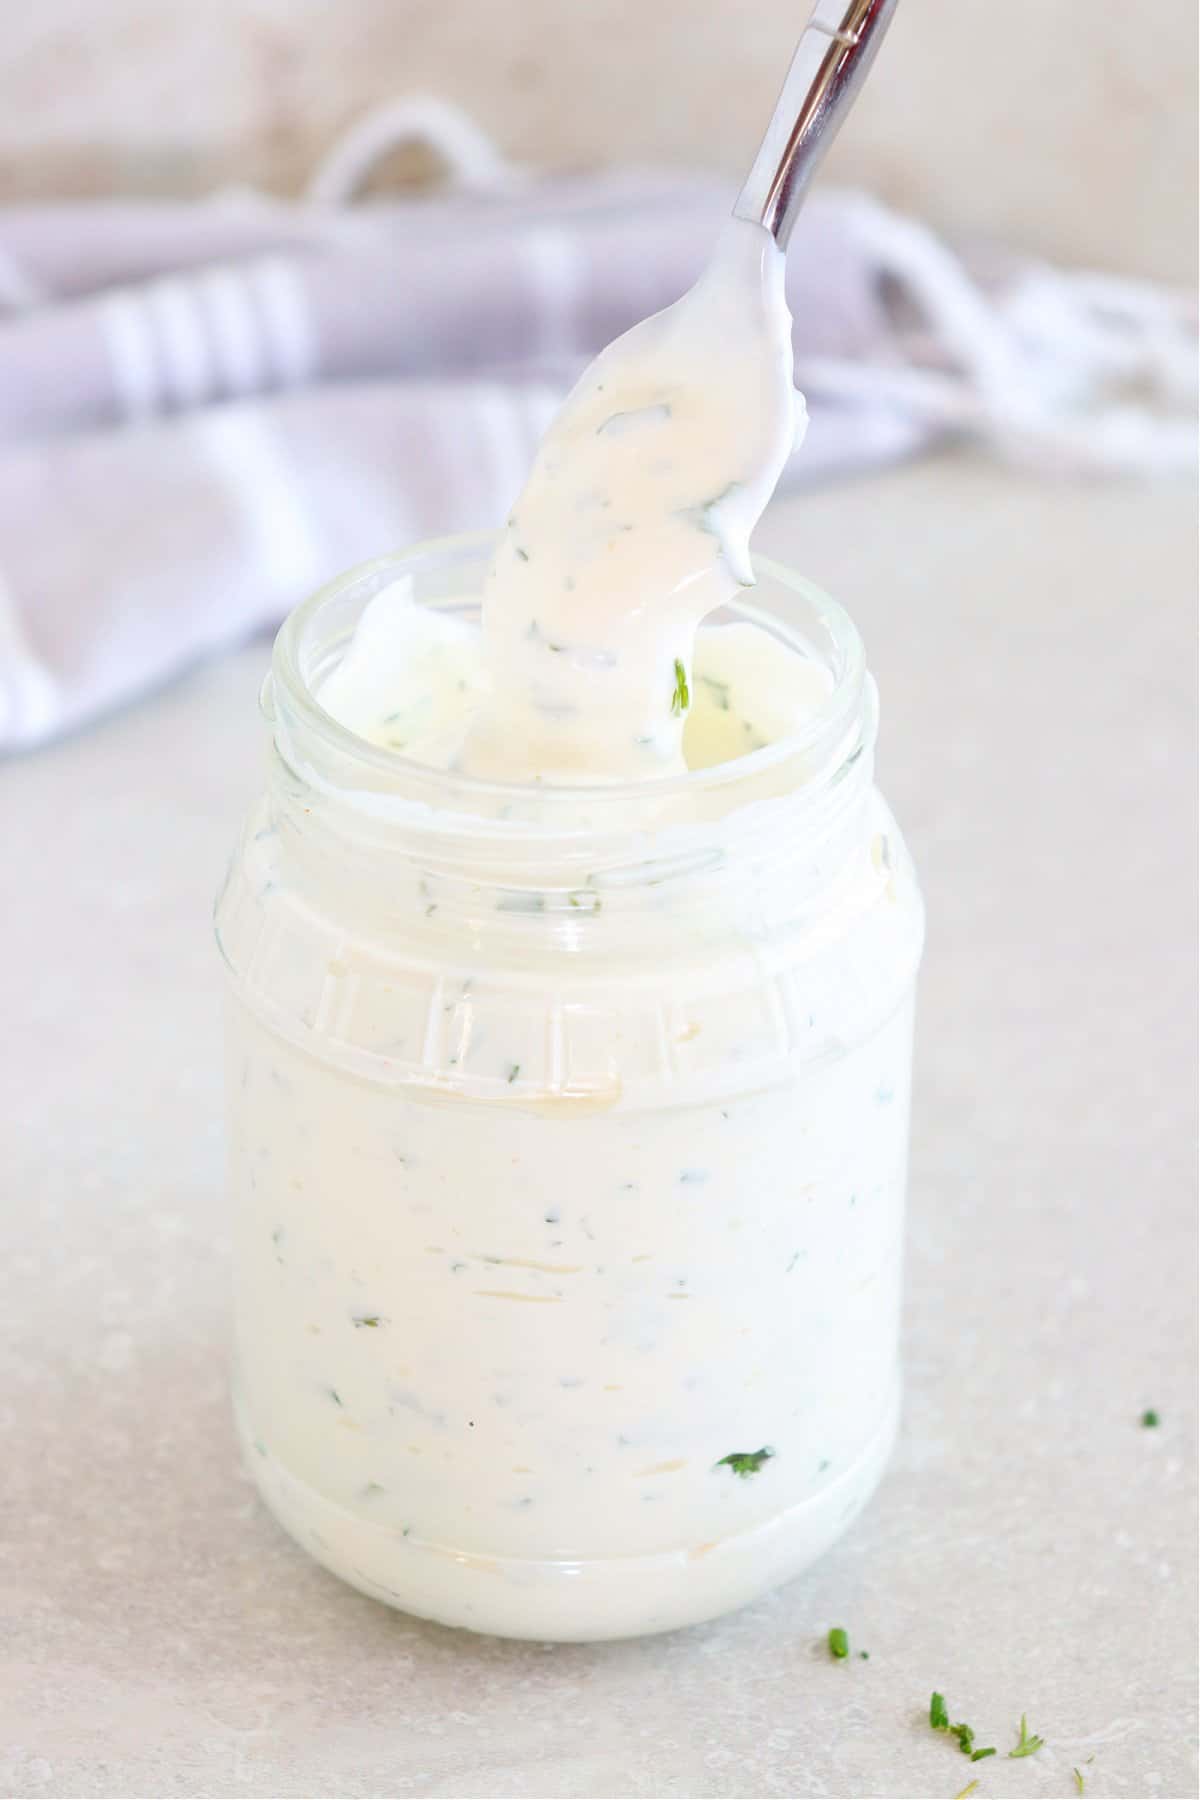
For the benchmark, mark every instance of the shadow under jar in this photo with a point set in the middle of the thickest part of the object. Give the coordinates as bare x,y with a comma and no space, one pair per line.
568,1138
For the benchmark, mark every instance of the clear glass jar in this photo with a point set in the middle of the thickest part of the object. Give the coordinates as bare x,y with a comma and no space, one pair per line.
568,1132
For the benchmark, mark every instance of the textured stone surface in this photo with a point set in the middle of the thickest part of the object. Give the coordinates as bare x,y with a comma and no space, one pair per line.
1032,1548
1019,120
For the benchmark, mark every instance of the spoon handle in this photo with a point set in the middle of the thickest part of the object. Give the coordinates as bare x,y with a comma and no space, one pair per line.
829,67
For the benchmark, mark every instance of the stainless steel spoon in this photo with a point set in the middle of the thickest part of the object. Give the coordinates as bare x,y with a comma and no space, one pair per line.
828,69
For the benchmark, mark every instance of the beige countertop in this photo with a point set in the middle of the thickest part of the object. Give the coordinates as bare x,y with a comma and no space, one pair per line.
1032,1548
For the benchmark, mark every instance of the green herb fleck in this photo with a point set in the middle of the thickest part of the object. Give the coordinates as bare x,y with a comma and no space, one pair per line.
372,1321
746,1462
335,1397
1150,1418
719,691
521,902
839,1643
1027,1744
522,553
513,1073
939,1719
1078,1780
964,1792
680,699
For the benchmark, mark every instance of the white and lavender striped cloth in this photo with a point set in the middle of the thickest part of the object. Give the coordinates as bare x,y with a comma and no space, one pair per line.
206,410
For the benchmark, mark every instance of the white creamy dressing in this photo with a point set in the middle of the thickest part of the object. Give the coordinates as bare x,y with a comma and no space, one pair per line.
633,526
568,1297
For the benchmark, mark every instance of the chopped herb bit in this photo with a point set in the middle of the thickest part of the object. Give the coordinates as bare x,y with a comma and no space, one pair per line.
522,553
513,1073
1078,1780
864,1656
746,1462
335,1397
939,1719
371,1320
839,1643
1027,1744
969,1789
1150,1418
719,691
534,633
680,699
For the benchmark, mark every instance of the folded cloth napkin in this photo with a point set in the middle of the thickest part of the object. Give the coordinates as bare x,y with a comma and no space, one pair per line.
206,410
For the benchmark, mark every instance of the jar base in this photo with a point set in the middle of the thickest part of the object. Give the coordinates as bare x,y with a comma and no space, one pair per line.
565,1600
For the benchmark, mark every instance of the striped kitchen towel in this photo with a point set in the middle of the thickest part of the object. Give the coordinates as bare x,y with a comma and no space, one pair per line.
207,410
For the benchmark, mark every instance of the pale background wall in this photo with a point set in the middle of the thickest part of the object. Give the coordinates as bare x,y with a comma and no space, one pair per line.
1066,125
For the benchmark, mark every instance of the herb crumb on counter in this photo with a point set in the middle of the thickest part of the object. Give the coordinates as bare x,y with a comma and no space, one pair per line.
1027,1744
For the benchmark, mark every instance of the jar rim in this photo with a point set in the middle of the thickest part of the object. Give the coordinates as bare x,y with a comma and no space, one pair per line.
815,743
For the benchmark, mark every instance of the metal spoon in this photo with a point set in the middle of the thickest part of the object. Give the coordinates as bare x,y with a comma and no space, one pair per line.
829,67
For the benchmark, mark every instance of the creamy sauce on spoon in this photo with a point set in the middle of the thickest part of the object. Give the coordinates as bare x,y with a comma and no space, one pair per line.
634,525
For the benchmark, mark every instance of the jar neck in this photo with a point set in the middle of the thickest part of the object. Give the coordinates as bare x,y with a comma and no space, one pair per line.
390,845
765,858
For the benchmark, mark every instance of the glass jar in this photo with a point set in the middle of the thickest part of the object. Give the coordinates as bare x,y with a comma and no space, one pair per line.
568,1131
